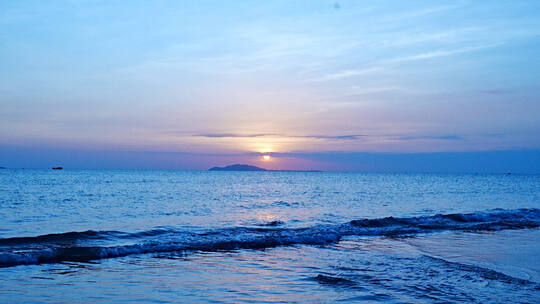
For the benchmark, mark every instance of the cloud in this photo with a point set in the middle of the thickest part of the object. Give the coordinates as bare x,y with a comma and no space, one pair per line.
431,137
233,135
382,64
351,137
336,137
345,74
441,53
495,92
238,135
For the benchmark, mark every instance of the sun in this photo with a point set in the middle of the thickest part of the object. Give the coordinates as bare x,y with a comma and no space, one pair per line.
266,157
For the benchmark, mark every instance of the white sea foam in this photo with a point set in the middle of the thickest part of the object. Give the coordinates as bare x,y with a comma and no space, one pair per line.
18,251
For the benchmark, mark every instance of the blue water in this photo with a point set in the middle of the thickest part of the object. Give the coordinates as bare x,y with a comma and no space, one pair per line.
233,237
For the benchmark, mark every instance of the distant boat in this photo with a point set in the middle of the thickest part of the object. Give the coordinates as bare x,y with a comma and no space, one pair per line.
57,168
237,167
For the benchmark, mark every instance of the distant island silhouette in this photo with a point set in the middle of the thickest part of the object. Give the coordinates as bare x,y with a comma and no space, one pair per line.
243,167
237,167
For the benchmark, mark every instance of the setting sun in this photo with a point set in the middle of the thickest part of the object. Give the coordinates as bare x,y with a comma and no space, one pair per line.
266,157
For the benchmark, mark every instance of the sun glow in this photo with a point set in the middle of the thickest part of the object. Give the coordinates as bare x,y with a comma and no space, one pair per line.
266,157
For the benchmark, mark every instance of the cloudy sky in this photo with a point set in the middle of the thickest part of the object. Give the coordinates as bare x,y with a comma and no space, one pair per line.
209,82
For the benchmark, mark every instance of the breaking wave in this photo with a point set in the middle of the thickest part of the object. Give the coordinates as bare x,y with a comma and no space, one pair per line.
81,246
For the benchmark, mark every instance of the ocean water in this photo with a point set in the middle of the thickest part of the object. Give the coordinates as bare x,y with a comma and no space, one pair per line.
268,237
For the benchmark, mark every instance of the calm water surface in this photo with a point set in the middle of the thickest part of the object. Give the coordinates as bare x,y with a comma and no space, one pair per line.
230,237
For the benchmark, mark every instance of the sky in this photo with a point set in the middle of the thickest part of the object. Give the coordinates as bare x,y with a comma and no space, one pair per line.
315,84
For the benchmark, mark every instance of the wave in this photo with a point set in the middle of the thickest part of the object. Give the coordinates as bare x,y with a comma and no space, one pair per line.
77,246
486,273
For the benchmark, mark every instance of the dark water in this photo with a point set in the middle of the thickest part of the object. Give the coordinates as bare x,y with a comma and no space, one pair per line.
161,236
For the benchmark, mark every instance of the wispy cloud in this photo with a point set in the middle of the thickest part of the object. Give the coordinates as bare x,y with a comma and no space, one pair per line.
381,65
430,137
351,137
239,135
232,135
345,74
441,53
495,92
334,137
424,12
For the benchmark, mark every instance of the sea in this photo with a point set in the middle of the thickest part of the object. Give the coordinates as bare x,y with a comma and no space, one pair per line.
97,236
